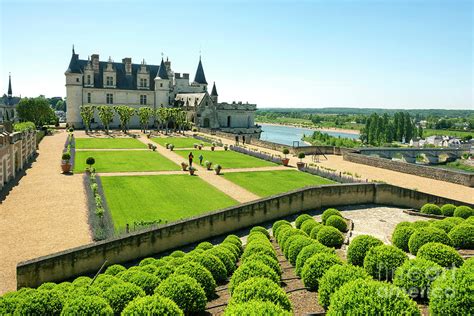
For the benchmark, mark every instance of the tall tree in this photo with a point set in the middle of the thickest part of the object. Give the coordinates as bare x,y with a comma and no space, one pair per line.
36,110
106,115
144,114
87,114
125,113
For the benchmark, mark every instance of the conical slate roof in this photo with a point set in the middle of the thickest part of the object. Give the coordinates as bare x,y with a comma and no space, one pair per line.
9,84
162,73
74,64
214,91
200,77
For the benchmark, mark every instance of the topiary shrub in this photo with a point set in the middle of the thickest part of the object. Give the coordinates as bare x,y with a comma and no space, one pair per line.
430,209
250,308
282,231
279,224
201,275
286,234
308,225
115,269
358,248
164,272
47,286
64,288
296,246
214,265
232,248
152,305
443,225
257,247
420,224
443,255
149,268
462,236
265,259
104,281
468,264
315,267
425,235
39,302
382,261
330,237
307,252
205,245
335,277
403,224
448,209
337,222
234,240
401,236
463,212
260,229
256,236
260,289
290,241
82,281
362,297
177,254
250,270
8,304
469,220
146,281
229,253
224,257
119,295
185,292
87,305
314,231
451,293
328,213
301,219
147,261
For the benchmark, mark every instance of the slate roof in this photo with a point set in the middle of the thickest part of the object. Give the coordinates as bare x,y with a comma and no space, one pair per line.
162,73
200,77
214,91
9,85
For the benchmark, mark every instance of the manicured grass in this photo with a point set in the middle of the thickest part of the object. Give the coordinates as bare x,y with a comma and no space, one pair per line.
165,197
108,143
227,159
179,142
124,160
265,183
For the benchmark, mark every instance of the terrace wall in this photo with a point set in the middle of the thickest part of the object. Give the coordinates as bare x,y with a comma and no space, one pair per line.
88,259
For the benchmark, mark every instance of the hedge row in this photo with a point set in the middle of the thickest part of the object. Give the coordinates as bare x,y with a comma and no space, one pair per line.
447,210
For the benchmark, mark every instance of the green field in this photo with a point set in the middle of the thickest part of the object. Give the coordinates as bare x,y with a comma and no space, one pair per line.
265,183
165,197
178,142
108,143
227,159
124,160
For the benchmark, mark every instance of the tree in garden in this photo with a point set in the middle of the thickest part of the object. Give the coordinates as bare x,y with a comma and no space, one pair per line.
181,120
125,113
36,110
87,113
90,161
166,114
106,115
160,116
144,115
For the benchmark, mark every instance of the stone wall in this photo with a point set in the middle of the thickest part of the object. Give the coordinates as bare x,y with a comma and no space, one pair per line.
458,177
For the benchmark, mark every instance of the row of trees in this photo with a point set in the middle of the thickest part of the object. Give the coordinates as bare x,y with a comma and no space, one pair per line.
162,117
381,130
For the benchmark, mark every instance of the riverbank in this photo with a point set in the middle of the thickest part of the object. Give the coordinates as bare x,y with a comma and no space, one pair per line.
327,129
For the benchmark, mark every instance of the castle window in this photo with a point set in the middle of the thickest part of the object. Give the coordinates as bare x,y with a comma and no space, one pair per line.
161,85
88,79
89,98
143,100
109,81
143,83
110,98
77,79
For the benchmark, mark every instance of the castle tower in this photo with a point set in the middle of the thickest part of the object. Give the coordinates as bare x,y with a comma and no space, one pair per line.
162,86
74,91
10,94
214,95
200,78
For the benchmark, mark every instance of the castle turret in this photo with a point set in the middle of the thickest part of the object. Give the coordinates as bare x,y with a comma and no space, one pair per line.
200,78
214,95
162,86
74,90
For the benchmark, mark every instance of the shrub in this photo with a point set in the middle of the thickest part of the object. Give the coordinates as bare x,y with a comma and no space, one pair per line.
232,248
301,219
229,253
149,268
8,304
87,305
296,246
260,289
279,224
455,220
335,277
82,281
443,225
448,209
287,235
403,224
104,281
47,286
177,254
152,305
214,265
164,271
185,292
235,241
90,161
146,281
330,237
265,259
308,225
451,293
315,267
301,155
115,269
40,302
251,308
252,269
256,236
328,213
307,252
205,245
282,231
420,224
314,231
225,256
337,222
358,249
261,230
257,247
382,261
66,156
119,295
462,236
443,255
289,242
401,236
426,235
361,296
201,275
430,209
469,220
463,212
468,264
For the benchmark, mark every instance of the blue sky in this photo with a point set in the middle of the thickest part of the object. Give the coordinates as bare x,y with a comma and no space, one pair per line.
391,54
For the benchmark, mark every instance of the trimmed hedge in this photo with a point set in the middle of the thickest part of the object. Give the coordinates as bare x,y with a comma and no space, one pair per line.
328,213
258,247
451,293
152,305
82,281
260,229
214,265
146,281
252,269
443,225
147,261
87,305
164,272
420,224
201,275
278,224
177,254
462,236
115,269
443,255
308,225
296,246
256,236
301,219
314,232
468,264
40,302
358,248
401,236
315,267
225,256
205,245
330,237
233,239
307,252
287,234
289,242
425,235
431,209
463,212
265,259
337,222
232,248
119,295
448,209
253,307
382,261
282,230
104,281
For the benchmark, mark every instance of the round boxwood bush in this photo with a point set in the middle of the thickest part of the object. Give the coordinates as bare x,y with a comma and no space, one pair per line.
232,248
430,209
287,233
420,224
251,269
445,256
260,229
185,292
8,304
64,288
205,245
260,289
462,236
362,297
425,235
256,236
308,225
259,248
451,293
469,220
401,236
115,269
296,246
315,267
328,213
251,308
228,252
330,237
214,265
47,286
81,281
335,277
289,242
177,254
233,239
444,225
164,271
463,212
282,230
104,281
225,257
146,281
337,222
314,231
415,277
455,220
147,261
265,259
307,252
152,305
119,295
448,209
40,302
279,224
149,268
301,219
468,264
382,261
176,262
403,224
358,248
200,274
87,305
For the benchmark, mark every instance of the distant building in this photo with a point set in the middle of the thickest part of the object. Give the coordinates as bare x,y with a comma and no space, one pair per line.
8,104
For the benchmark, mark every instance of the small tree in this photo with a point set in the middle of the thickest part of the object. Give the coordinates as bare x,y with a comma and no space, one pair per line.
106,115
144,115
181,120
286,151
125,113
90,161
301,155
87,113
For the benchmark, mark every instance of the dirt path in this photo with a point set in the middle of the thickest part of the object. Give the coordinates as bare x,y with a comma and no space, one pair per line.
45,213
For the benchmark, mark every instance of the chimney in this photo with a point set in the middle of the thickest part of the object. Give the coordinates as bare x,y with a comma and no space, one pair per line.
95,62
127,61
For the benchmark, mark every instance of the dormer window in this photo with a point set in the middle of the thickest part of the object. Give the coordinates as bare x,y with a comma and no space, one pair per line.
143,83
88,79
109,81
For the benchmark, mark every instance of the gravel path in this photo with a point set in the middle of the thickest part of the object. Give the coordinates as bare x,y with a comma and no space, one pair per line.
45,213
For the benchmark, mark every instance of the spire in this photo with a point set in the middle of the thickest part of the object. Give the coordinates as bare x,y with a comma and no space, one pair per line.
200,77
214,90
74,66
10,85
162,73
73,52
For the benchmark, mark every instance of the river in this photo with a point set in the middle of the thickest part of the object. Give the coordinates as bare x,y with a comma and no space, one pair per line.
286,135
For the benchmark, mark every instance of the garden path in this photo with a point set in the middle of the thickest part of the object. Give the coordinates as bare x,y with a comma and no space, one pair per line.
45,213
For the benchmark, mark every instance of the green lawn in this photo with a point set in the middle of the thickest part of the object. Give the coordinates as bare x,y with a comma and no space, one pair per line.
108,143
265,183
227,159
178,142
124,160
154,198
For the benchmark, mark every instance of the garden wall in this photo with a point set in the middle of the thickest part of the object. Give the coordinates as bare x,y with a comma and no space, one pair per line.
88,259
457,177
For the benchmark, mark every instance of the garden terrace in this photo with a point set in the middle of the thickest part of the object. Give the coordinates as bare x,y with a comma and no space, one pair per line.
227,159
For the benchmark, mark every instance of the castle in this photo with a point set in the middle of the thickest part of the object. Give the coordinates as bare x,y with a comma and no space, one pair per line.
98,82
